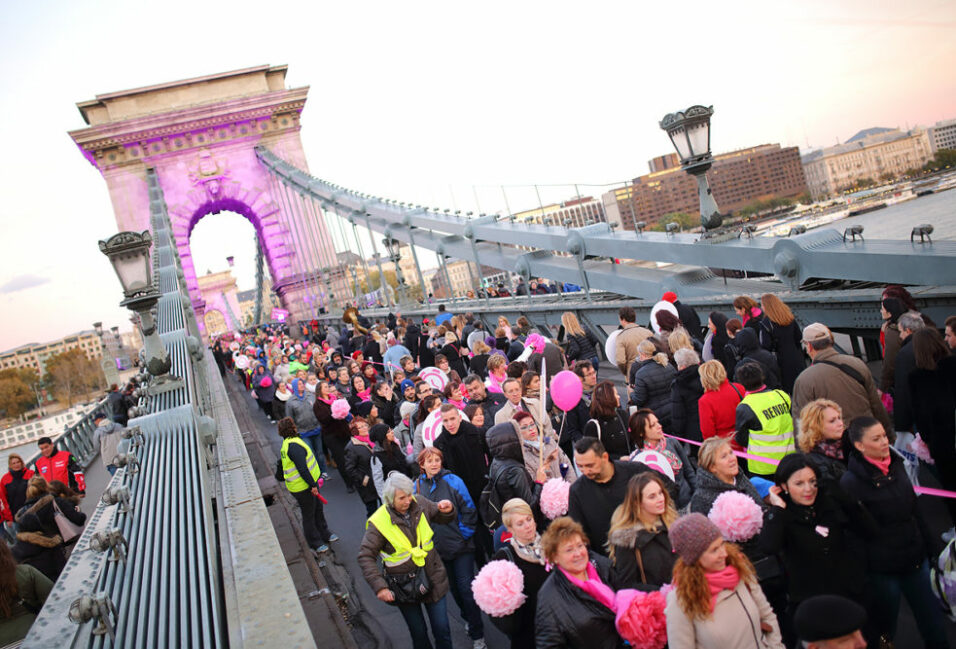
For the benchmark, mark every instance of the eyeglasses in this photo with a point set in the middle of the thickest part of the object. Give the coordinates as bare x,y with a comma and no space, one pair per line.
529,426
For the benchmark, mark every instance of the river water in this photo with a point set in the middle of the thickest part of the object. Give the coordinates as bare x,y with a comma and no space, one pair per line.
897,221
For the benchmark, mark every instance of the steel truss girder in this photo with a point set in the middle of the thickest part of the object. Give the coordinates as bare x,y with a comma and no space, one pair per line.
819,253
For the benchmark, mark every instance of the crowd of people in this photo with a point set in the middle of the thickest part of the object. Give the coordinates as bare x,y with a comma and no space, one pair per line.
749,485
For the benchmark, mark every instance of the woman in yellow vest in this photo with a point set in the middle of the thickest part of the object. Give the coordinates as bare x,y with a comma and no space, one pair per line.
764,424
400,533
302,477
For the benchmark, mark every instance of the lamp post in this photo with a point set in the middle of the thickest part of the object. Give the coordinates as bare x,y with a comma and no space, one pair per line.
128,252
393,247
689,132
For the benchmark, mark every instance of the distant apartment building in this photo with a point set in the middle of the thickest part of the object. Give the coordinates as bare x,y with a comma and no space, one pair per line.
874,154
737,179
460,274
35,355
577,212
942,135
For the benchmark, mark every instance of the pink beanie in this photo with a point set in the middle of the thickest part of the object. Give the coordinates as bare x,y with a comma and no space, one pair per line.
690,535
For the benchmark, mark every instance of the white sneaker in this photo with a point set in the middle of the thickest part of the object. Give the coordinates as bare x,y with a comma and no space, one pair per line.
479,644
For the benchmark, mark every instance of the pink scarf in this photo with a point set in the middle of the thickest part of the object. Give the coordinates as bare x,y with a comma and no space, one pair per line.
365,395
882,465
326,401
726,579
458,404
494,383
661,447
593,586
364,439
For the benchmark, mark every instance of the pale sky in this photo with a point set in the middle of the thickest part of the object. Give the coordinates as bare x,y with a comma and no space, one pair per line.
437,102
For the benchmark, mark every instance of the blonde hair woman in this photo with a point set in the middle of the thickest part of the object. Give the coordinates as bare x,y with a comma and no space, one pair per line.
679,339
524,550
823,439
716,601
638,543
582,344
717,407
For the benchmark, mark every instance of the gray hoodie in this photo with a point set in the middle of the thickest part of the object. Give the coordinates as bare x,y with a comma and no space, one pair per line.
107,434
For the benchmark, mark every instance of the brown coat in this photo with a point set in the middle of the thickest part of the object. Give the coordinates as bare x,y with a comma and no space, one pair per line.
373,542
820,381
625,350
531,405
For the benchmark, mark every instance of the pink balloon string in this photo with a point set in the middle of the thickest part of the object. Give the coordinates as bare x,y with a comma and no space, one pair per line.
928,491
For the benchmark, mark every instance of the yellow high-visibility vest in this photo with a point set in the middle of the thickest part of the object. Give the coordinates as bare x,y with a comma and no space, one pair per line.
403,547
775,437
290,474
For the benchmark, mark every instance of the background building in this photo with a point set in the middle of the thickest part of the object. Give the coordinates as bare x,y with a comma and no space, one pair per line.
737,179
578,211
875,154
35,355
942,135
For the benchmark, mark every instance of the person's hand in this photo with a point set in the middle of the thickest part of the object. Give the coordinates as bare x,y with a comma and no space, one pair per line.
541,475
445,506
365,481
315,491
385,595
774,497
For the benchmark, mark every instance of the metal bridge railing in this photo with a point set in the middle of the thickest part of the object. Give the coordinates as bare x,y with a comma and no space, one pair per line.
821,253
180,550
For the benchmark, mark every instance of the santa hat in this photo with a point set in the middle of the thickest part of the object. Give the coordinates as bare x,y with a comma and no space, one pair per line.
669,296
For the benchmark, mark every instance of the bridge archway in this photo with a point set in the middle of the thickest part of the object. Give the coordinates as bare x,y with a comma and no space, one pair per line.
199,136
215,322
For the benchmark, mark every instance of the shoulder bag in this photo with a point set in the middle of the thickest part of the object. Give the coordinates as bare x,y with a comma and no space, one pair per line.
68,529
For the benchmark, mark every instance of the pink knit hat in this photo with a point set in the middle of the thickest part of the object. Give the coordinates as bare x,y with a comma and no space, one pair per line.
690,535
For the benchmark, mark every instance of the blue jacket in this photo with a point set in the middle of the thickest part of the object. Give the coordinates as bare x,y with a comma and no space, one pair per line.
394,354
451,539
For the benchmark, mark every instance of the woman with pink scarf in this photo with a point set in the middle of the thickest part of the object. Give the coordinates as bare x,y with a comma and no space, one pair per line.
576,605
647,434
716,602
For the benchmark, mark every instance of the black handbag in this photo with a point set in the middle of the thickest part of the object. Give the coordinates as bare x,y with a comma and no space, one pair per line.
410,587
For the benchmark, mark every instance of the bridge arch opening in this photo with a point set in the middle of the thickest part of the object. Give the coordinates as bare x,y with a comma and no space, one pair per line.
215,231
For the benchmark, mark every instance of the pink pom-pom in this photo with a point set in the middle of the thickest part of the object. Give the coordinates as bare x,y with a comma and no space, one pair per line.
535,342
340,409
640,618
499,588
736,515
554,498
919,447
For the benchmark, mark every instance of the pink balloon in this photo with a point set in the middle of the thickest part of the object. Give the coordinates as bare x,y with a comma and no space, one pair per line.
566,390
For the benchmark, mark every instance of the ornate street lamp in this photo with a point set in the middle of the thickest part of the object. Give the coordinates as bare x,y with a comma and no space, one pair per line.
689,132
128,252
107,359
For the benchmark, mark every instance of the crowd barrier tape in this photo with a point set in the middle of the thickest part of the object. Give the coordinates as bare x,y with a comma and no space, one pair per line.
926,491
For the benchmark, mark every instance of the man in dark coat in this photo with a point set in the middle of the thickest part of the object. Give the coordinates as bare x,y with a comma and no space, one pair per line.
464,450
686,314
507,474
490,402
750,350
578,417
908,324
411,340
601,488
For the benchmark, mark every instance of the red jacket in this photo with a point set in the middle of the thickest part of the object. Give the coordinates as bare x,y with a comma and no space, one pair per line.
7,512
718,411
63,467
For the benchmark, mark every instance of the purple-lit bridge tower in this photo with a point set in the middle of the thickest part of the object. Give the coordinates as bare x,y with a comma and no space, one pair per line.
199,135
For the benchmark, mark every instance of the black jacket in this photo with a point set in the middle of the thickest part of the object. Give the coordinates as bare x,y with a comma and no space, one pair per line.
507,476
569,618
784,341
651,383
455,361
750,350
358,466
934,402
613,433
593,503
689,318
412,333
575,423
491,404
426,356
387,409
819,564
479,365
686,390
902,399
657,557
519,626
39,543
901,544
582,347
465,455
451,539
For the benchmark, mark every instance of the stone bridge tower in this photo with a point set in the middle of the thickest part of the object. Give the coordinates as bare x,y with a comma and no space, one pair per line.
200,135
